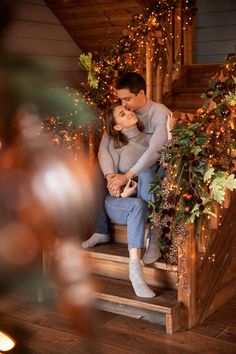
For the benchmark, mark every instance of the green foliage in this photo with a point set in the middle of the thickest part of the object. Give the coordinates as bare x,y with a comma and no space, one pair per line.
220,181
199,161
89,65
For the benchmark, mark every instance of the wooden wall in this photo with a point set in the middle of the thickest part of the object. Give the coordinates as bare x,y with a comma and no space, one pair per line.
35,30
215,30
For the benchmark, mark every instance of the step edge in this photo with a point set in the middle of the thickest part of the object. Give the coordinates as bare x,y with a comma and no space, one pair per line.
136,303
123,259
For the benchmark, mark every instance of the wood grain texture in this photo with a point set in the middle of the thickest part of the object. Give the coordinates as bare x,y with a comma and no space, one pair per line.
120,291
217,280
36,31
215,30
119,334
96,24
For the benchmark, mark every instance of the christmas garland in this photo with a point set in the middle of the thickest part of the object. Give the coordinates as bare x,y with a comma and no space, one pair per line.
199,163
129,53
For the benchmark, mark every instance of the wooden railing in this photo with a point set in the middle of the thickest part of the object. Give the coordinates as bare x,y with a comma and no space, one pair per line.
180,52
207,276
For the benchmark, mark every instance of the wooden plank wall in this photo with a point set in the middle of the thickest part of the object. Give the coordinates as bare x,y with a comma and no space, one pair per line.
36,31
215,30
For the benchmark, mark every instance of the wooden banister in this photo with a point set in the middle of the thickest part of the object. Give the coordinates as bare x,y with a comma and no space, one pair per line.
187,253
180,48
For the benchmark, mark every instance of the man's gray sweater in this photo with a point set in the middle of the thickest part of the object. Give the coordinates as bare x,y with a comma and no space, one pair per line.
154,117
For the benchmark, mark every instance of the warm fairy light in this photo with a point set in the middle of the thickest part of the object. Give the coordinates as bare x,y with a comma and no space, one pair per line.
6,342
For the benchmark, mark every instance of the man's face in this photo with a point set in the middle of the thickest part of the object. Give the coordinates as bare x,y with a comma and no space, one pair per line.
130,100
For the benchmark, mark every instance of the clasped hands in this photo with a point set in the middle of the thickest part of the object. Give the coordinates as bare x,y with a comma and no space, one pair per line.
115,183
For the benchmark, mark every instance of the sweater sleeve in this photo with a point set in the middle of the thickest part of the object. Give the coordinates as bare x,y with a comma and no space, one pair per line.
150,156
104,157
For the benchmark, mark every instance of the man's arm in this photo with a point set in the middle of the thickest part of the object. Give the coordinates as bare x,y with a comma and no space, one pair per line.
150,156
148,159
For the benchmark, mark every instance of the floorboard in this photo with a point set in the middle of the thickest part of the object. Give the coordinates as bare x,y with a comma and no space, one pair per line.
53,333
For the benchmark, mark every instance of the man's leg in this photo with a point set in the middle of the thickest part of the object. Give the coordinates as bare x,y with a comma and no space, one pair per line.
101,232
152,250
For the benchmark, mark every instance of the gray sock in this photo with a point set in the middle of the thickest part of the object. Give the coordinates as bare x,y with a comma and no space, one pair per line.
96,239
152,251
141,289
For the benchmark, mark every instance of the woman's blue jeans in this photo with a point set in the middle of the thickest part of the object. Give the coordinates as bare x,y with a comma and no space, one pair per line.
133,211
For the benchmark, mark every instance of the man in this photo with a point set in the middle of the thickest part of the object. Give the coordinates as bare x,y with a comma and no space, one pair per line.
131,90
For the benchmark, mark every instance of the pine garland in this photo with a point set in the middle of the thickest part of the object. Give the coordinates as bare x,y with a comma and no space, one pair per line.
199,162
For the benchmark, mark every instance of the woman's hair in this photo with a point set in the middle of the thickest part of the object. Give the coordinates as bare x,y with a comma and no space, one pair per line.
119,139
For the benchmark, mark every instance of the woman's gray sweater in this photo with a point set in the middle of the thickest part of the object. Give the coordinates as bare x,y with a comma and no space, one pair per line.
154,117
126,156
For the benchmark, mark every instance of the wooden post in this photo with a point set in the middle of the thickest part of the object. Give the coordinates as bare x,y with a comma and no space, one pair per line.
167,86
214,220
159,82
226,202
188,45
187,276
149,69
177,41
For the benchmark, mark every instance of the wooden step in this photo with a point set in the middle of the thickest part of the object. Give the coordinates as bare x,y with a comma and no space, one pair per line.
119,233
118,296
187,89
112,260
203,68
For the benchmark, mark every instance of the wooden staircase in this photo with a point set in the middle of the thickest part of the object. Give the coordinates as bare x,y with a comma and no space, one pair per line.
187,89
210,282
117,295
204,278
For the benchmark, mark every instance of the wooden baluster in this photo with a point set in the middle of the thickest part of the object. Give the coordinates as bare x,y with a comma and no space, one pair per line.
149,69
214,220
187,253
177,42
189,42
159,82
226,202
167,87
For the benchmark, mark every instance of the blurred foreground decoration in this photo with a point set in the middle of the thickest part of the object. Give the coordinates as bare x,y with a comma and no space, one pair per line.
45,194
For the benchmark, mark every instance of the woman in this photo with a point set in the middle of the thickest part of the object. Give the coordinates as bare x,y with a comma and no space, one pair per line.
127,144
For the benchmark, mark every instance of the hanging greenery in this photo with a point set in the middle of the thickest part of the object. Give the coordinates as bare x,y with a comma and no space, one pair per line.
151,28
200,161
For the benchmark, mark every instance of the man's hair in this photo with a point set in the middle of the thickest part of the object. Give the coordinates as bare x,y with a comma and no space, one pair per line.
132,81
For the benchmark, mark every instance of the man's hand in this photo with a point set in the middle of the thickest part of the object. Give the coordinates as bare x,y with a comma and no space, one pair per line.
130,189
115,192
116,181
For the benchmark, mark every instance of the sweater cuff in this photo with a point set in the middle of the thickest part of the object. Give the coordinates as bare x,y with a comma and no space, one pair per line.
107,172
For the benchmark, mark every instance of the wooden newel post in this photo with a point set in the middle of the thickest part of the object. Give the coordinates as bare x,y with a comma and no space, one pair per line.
187,267
149,69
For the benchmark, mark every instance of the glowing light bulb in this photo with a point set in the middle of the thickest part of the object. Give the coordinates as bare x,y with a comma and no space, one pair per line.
6,342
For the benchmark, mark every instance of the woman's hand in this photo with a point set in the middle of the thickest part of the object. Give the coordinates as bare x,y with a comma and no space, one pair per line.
129,189
117,180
